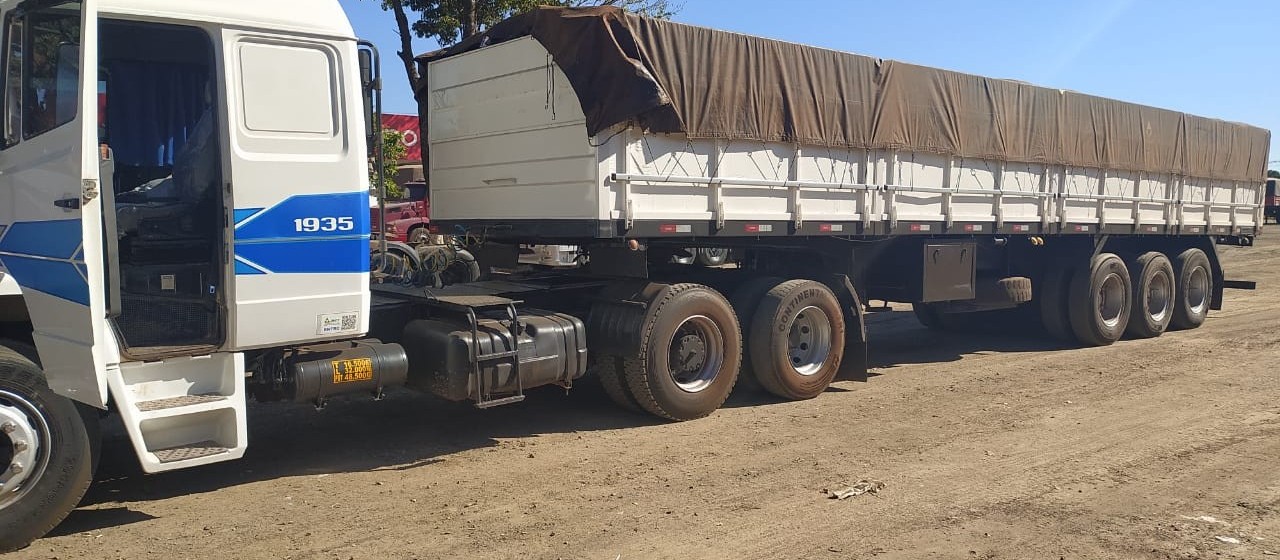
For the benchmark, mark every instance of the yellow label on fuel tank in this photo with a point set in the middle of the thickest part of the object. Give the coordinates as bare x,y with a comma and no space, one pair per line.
351,371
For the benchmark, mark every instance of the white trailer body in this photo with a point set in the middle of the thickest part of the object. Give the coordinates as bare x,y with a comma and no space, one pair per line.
509,146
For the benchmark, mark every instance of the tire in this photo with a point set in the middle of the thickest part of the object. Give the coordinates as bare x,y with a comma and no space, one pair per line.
609,370
710,342
1194,289
797,339
745,301
419,235
1100,298
61,463
1017,289
92,417
1153,296
709,256
1053,303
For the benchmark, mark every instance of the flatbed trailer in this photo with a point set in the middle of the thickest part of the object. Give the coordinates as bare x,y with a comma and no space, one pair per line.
171,286
836,179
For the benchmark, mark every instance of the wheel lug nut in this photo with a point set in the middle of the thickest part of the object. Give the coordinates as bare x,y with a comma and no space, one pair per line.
15,468
19,446
8,427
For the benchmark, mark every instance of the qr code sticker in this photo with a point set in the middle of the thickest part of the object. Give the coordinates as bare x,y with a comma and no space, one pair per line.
335,323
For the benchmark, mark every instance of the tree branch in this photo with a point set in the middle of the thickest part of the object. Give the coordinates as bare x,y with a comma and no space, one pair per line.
406,45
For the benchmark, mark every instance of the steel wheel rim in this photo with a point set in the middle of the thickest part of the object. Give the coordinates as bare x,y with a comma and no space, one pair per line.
696,355
1158,297
809,341
24,445
1111,300
1198,290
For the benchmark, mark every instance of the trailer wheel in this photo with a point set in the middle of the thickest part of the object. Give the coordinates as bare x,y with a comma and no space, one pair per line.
1194,289
797,339
711,256
1153,296
1099,298
690,354
1053,302
745,301
45,451
609,370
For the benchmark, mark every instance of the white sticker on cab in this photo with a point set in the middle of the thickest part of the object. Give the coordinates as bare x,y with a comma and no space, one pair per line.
337,323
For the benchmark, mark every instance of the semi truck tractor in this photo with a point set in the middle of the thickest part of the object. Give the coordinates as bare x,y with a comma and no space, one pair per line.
202,237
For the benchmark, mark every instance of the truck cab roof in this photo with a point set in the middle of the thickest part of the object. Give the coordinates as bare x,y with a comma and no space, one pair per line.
313,17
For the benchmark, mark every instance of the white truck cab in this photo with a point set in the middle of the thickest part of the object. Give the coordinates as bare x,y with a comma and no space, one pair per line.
180,182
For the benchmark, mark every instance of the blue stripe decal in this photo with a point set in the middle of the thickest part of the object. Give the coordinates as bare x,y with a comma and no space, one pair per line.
320,256
320,233
280,221
242,215
56,278
56,240
244,268
46,257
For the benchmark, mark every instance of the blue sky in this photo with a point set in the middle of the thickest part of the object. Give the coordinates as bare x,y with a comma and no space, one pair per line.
1217,59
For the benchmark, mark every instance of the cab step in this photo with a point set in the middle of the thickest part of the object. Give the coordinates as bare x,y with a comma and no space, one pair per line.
183,412
499,402
179,402
190,452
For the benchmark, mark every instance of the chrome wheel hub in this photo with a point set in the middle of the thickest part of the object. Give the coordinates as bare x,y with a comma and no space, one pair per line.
809,340
1159,294
697,352
1111,302
24,439
1198,290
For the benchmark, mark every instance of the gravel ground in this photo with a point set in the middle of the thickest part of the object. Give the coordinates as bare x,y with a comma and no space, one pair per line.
989,446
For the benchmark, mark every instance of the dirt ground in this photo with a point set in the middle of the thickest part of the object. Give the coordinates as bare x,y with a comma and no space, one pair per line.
988,447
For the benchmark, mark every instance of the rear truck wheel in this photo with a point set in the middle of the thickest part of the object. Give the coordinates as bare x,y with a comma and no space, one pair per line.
690,354
1052,306
1153,296
45,454
796,339
609,370
711,256
1194,289
745,301
1099,298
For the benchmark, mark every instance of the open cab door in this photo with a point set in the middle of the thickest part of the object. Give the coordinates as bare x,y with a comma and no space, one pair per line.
51,191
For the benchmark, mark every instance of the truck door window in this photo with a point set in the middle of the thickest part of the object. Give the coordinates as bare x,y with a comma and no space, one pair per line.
42,70
51,86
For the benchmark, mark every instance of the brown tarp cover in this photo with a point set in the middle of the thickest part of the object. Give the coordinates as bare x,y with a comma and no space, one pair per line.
670,77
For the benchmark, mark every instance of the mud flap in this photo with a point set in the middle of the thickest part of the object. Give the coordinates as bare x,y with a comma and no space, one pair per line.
854,366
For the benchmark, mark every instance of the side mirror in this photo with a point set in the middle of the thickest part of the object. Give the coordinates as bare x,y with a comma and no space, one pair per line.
368,84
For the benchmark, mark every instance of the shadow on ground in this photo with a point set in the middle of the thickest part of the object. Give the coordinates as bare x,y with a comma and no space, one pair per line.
409,430
896,339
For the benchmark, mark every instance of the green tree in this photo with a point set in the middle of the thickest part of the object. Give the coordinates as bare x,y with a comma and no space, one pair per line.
1273,174
449,21
393,150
